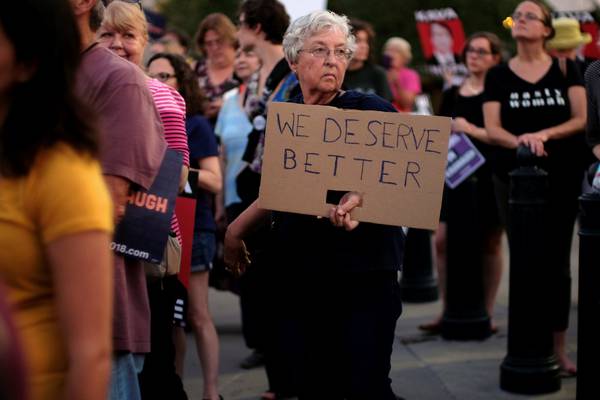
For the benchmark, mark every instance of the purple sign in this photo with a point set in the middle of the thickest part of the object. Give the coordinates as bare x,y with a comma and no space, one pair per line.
463,159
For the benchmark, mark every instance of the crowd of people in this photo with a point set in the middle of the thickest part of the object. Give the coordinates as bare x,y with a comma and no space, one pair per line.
80,321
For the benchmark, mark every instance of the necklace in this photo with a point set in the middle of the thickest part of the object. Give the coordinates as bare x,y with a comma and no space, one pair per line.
471,90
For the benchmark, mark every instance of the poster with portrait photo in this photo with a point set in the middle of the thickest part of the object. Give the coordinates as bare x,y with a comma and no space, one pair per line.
442,39
588,24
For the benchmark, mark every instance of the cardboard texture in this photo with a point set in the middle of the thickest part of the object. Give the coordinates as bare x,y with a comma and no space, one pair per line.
396,161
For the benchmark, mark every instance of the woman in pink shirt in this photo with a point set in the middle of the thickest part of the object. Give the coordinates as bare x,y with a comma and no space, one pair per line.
124,31
404,82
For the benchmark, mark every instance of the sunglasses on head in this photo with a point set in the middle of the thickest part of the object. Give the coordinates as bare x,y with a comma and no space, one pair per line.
138,2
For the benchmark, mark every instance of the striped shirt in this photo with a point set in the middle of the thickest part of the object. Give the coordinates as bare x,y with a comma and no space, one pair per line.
171,107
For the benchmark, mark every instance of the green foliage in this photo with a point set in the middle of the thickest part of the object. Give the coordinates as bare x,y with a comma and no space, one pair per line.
389,17
187,14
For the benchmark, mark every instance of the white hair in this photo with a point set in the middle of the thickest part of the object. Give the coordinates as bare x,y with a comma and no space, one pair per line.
312,24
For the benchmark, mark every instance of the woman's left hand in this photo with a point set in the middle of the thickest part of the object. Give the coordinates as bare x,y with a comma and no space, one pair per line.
535,142
340,214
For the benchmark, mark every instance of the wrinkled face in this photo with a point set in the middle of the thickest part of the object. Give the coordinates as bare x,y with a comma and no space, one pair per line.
441,39
128,44
479,57
162,70
528,22
362,46
318,68
246,63
218,50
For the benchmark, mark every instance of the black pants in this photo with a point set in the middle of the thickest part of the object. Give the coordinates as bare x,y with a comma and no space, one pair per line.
336,331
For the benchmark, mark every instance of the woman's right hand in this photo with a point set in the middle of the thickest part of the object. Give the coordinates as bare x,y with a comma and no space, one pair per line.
236,256
460,124
535,142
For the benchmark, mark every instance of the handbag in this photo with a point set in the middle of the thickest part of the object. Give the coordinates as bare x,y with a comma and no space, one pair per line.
171,261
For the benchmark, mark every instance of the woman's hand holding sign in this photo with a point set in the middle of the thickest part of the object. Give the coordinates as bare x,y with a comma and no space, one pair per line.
340,214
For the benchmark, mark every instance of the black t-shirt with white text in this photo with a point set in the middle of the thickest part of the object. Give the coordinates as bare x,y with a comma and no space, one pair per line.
530,107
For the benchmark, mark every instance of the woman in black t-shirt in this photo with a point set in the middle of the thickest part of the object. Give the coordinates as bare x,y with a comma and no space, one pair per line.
534,101
464,104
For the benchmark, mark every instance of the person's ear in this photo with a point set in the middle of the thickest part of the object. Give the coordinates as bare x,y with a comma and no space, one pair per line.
293,66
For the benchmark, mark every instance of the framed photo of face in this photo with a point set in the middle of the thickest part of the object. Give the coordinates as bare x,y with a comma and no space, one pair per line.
442,38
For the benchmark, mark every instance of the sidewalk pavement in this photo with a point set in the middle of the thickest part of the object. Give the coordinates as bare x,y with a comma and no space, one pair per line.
423,367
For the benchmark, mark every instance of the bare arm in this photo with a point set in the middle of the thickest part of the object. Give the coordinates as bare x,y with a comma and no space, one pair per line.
209,176
81,265
240,228
119,191
183,177
220,217
576,123
462,125
596,150
493,126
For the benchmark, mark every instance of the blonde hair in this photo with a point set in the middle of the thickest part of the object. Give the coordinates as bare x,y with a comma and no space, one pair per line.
123,17
401,45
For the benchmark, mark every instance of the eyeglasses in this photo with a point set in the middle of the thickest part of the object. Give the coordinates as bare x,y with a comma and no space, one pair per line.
162,76
138,2
323,53
529,16
477,52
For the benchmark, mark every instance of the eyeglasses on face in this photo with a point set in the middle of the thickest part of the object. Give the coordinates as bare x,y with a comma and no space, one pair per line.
340,54
529,16
162,76
138,2
478,52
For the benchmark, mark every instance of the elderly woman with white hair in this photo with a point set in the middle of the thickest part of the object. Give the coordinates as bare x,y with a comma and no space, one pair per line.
337,278
405,83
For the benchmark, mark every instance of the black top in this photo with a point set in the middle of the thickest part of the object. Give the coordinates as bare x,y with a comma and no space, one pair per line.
202,143
308,242
530,107
371,79
592,84
455,105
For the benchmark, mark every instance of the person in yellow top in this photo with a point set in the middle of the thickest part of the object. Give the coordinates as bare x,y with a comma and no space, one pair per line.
55,210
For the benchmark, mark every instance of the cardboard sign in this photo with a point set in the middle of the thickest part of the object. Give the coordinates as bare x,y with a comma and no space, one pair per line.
144,230
442,39
396,161
463,159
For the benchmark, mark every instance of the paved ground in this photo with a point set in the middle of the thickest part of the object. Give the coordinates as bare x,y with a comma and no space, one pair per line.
423,368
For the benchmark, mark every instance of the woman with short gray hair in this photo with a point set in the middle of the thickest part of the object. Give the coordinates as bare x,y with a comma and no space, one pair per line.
311,24
338,288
